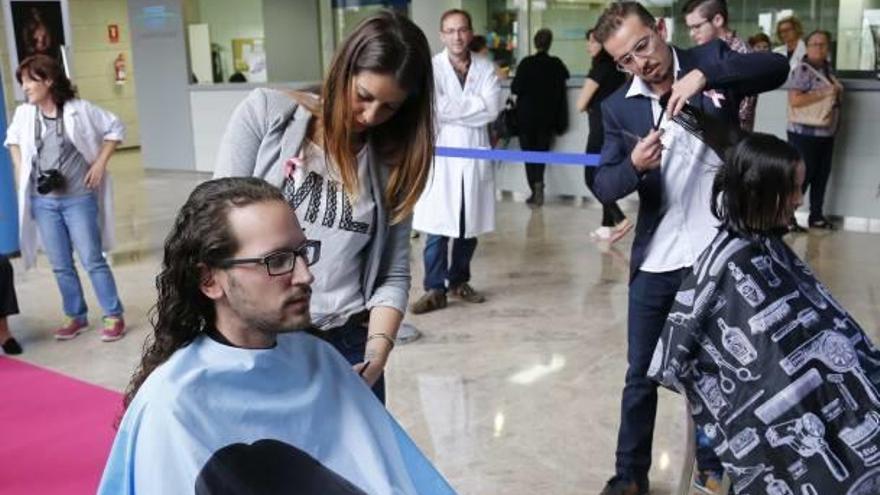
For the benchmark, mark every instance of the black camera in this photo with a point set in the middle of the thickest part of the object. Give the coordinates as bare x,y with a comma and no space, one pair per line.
49,180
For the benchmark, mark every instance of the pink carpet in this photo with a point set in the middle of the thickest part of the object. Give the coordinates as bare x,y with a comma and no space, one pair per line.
55,431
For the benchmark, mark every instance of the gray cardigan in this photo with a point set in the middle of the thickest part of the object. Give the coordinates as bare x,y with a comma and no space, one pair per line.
268,127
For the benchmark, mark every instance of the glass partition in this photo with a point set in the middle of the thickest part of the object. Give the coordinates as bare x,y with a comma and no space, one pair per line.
348,13
226,37
854,25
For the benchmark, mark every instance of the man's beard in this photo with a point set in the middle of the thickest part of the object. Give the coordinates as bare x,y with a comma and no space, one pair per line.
258,321
659,75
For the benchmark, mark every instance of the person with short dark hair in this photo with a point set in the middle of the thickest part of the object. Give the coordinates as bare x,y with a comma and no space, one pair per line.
814,80
776,371
479,45
458,203
541,107
601,82
759,42
654,149
61,146
234,369
8,307
237,77
706,20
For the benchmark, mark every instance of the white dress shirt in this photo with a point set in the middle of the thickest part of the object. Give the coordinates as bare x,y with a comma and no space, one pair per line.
688,167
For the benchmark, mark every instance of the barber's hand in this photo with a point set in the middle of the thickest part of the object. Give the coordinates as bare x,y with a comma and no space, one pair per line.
648,152
689,85
95,175
373,372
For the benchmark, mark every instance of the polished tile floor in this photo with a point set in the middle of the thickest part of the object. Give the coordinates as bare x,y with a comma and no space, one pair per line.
519,395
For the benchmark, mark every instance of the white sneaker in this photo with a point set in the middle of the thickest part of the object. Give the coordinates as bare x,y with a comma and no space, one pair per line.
601,234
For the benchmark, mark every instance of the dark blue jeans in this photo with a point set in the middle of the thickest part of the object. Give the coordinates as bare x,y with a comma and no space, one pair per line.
438,270
817,153
651,296
351,341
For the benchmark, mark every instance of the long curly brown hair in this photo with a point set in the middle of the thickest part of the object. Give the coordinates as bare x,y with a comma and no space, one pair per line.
200,238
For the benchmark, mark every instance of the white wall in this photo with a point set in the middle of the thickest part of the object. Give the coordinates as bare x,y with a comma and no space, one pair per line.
293,40
162,70
210,113
426,14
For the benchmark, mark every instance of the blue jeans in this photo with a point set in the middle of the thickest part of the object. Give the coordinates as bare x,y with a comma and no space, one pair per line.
651,296
69,223
438,270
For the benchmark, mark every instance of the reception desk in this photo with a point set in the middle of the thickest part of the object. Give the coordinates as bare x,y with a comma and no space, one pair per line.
853,191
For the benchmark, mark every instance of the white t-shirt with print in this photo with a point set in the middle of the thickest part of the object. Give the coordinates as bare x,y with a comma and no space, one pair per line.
344,226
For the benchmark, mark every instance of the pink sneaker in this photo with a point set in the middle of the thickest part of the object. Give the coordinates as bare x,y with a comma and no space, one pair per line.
114,328
71,328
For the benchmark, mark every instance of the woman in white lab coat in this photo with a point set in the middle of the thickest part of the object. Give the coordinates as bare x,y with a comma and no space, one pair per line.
60,146
459,199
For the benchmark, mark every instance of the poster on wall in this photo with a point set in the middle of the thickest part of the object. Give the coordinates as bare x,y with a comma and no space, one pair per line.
248,60
37,27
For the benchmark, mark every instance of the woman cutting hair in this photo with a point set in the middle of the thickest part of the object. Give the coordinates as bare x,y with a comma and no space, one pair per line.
352,163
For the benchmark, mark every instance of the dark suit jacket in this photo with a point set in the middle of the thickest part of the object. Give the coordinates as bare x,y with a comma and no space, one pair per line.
734,75
541,103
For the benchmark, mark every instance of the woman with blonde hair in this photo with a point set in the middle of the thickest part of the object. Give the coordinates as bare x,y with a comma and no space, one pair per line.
790,33
352,163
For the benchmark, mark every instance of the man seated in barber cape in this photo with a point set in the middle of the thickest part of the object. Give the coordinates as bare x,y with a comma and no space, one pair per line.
232,395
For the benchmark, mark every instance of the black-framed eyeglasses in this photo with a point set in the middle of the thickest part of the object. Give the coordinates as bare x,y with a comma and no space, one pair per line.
697,26
283,261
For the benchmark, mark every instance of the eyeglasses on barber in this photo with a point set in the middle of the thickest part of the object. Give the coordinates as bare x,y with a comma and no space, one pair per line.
283,261
642,49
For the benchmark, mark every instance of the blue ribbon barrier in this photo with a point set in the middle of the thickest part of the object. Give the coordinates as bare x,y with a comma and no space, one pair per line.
548,157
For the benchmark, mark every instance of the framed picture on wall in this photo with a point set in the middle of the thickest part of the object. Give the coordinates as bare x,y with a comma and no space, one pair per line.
249,59
37,27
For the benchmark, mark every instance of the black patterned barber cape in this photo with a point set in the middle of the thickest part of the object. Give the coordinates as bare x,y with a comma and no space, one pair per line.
780,380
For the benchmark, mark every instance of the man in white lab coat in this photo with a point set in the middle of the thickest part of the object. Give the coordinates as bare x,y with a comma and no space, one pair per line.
459,199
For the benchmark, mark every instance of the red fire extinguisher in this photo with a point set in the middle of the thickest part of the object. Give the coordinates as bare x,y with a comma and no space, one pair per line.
119,69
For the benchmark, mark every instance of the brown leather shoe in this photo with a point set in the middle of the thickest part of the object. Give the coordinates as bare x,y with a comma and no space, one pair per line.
466,293
431,301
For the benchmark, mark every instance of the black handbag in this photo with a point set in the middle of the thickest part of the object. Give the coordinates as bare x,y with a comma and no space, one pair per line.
506,125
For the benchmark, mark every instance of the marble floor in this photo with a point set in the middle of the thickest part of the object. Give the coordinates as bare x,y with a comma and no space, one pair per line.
519,395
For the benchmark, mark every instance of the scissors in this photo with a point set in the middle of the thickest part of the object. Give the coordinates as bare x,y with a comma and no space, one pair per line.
742,373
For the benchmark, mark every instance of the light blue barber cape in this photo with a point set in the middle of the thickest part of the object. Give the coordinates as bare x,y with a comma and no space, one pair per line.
297,409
